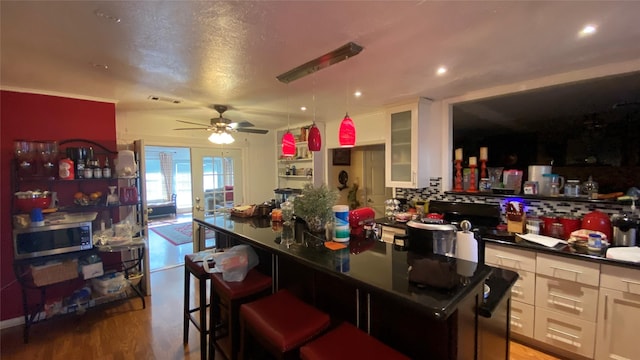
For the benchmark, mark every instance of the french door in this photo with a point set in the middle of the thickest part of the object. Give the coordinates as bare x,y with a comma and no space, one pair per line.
216,183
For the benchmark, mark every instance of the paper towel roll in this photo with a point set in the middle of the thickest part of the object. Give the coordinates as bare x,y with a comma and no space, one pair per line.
466,246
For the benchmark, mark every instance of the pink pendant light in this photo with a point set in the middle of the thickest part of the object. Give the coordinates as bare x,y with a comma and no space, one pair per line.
347,135
288,145
314,140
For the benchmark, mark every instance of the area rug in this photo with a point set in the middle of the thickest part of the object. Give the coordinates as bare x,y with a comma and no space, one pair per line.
177,234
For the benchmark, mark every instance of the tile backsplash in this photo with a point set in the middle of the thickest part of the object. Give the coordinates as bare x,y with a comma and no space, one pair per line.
533,207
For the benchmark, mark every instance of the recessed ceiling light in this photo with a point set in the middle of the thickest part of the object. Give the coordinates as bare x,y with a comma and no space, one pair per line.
441,70
303,108
588,30
101,14
357,94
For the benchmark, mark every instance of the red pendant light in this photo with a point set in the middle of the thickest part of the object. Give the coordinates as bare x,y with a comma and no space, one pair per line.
313,139
288,145
347,135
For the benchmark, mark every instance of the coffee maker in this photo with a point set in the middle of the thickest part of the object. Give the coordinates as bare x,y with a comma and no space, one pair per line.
625,230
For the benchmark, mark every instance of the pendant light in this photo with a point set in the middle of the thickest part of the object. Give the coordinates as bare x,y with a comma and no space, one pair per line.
288,141
314,141
347,134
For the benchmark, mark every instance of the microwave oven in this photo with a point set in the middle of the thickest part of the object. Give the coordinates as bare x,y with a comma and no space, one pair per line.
52,239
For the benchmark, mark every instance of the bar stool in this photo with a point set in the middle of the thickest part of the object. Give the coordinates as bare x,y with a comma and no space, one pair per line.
280,323
348,342
226,298
194,268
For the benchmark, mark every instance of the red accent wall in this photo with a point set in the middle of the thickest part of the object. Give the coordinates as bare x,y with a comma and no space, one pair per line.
28,116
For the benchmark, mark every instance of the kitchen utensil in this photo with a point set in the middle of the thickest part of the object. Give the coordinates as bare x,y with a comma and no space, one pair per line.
26,201
598,221
572,188
512,179
548,220
570,224
537,171
552,184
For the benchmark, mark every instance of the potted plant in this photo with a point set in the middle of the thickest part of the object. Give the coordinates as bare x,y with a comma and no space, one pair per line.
314,205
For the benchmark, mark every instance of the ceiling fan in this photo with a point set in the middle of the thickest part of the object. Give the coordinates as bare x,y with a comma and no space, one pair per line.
222,125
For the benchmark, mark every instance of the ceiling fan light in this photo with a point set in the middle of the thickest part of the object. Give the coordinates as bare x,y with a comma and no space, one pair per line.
221,138
288,145
347,134
314,140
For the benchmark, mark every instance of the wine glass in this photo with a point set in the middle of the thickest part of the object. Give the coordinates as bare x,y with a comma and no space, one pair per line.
25,152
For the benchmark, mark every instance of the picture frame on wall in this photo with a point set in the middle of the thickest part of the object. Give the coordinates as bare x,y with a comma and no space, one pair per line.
341,156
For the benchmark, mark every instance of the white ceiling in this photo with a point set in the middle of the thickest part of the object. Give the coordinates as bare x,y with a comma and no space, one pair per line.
205,53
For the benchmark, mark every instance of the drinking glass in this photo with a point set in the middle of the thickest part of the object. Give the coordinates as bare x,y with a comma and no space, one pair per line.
287,212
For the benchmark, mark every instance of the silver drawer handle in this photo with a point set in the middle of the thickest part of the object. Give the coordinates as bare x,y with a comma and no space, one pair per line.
553,302
507,258
516,324
565,269
517,292
564,340
630,281
514,317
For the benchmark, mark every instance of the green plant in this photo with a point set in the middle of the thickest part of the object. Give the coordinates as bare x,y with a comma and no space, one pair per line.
315,203
352,197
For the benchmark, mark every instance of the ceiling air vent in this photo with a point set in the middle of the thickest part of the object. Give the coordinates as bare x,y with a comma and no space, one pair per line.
164,99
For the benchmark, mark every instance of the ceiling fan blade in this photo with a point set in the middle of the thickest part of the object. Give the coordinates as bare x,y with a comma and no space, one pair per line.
198,128
252,131
193,123
241,124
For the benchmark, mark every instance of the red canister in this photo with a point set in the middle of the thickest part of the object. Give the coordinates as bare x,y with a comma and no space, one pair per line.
570,224
66,169
547,221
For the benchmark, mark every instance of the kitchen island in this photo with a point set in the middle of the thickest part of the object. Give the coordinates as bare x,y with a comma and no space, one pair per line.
368,284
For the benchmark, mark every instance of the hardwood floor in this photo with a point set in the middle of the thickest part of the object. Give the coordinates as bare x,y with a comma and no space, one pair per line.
129,332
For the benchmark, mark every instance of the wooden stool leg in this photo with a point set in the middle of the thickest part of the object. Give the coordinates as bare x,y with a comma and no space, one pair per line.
203,318
185,321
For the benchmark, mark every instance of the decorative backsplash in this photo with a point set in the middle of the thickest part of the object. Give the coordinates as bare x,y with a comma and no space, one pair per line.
533,207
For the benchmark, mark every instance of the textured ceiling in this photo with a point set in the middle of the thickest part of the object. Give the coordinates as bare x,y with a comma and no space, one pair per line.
205,53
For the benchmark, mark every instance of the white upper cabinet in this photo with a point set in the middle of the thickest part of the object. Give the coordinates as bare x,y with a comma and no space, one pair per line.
413,145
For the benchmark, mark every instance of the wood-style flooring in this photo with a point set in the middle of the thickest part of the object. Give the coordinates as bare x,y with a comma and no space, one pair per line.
127,331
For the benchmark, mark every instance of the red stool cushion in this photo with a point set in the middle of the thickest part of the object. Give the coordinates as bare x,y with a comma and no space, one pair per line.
347,342
253,283
195,267
284,320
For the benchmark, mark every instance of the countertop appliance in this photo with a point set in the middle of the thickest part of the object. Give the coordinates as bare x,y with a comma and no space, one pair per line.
625,229
45,240
360,218
283,194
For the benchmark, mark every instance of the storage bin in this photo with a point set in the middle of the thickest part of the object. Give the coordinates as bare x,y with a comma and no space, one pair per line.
110,283
54,272
90,271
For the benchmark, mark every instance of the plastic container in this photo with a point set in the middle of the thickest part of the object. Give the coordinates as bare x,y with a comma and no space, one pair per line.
110,283
341,223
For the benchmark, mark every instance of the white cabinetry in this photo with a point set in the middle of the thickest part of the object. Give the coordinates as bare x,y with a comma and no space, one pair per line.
618,314
523,291
308,165
413,147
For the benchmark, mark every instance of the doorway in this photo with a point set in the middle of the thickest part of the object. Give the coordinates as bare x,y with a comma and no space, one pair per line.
216,183
168,172
365,175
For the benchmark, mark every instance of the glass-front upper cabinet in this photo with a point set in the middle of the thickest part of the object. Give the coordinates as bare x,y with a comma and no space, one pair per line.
413,145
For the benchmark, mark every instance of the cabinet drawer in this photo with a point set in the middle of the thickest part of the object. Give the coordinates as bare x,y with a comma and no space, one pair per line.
620,278
581,271
389,231
507,258
524,289
567,297
522,317
565,332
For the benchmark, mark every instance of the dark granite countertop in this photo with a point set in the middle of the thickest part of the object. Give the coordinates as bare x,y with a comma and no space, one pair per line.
371,265
509,239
